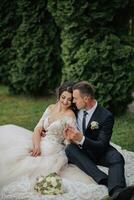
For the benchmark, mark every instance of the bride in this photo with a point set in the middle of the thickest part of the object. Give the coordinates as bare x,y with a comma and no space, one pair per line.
25,156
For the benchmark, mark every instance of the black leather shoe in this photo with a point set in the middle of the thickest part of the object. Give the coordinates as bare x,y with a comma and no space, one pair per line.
123,194
103,182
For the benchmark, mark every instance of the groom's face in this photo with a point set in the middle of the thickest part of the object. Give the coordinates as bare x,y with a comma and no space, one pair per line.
78,99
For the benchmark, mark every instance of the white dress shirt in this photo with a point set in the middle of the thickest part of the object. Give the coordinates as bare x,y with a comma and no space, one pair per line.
88,117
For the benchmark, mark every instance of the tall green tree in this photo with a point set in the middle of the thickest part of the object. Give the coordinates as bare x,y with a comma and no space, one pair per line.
9,21
36,64
96,47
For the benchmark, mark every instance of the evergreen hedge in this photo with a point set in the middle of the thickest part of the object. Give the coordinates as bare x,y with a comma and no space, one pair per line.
96,47
9,22
45,42
35,68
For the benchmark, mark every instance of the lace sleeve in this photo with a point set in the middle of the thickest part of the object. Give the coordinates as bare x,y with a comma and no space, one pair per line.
71,121
44,116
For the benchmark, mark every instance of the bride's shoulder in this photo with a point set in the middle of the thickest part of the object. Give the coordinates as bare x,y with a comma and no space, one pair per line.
70,113
51,107
70,118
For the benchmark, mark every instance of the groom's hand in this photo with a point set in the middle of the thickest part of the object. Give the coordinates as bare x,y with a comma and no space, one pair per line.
73,134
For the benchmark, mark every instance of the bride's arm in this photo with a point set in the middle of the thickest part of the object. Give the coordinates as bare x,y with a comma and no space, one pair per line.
38,132
36,141
71,121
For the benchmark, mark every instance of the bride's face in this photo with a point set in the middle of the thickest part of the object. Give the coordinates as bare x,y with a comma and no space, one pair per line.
65,99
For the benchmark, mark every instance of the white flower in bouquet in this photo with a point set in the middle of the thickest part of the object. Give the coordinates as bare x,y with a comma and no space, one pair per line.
54,181
40,179
49,185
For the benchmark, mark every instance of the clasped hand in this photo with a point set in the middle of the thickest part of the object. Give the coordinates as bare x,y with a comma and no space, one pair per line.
72,134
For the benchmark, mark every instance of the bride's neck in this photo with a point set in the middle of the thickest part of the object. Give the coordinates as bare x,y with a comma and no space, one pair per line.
59,108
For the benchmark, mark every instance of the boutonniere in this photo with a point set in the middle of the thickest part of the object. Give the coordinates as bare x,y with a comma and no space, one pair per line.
94,125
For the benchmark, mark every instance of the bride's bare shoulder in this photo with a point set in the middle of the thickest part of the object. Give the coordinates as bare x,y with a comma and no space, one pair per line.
70,113
51,107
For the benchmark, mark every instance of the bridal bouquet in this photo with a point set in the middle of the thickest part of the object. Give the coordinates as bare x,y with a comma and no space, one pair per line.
49,185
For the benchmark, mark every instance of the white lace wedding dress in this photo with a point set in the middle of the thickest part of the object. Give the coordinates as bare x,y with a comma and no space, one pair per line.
18,170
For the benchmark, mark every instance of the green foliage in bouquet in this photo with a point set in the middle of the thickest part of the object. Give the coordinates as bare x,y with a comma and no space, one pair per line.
49,185
35,68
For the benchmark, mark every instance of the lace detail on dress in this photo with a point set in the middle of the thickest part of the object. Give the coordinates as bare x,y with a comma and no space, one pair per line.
23,190
47,120
57,127
15,142
16,190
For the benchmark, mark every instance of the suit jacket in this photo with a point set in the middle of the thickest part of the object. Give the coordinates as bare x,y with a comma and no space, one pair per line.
97,140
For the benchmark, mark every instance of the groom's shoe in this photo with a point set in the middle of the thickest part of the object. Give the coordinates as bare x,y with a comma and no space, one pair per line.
103,182
123,193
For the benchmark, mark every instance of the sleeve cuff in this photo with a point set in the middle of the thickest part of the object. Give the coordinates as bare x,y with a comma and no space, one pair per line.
82,141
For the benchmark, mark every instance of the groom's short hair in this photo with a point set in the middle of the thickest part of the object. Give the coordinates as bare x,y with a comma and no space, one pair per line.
85,88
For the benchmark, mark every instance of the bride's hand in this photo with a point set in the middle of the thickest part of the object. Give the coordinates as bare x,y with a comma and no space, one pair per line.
66,136
36,151
43,133
73,134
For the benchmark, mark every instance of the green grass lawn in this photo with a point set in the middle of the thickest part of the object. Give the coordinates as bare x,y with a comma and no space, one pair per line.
21,110
26,111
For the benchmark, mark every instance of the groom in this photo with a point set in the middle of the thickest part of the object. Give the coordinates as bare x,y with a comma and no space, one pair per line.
90,144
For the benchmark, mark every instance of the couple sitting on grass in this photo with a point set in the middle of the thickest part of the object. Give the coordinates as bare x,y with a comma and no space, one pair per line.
72,138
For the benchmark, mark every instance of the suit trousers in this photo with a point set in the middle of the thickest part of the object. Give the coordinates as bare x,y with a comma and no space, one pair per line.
87,161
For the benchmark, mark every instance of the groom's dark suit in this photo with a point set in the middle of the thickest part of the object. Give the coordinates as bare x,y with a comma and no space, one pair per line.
96,150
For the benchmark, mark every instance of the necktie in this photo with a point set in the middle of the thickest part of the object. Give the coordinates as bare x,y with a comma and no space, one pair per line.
84,121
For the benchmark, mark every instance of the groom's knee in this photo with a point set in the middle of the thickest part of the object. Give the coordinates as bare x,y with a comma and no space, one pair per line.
116,157
70,149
